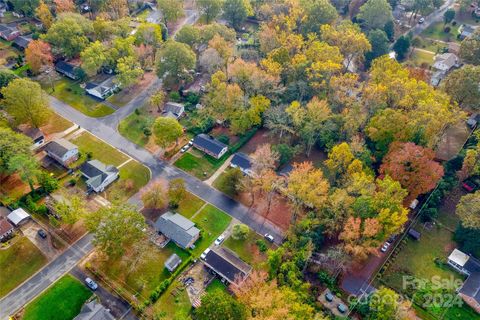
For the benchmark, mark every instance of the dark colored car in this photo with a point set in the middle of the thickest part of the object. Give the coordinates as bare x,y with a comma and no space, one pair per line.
469,186
42,234
329,296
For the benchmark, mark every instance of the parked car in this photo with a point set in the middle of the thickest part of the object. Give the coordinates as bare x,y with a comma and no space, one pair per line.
204,254
469,186
91,284
184,148
269,237
385,247
190,143
42,234
421,20
342,308
329,296
219,240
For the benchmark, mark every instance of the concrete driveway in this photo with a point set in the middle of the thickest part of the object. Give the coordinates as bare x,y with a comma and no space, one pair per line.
30,230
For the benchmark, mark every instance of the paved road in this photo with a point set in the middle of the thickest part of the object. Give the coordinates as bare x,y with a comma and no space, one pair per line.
118,307
24,293
435,16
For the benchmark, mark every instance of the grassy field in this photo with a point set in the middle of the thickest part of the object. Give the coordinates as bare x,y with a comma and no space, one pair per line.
248,249
133,176
99,149
172,307
216,284
62,301
190,205
212,222
146,275
419,58
199,165
132,127
436,31
19,262
71,93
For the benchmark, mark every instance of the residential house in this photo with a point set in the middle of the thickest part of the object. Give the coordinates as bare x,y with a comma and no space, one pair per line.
98,175
173,110
67,69
210,145
103,89
465,31
445,62
6,229
22,42
18,216
469,266
243,162
173,262
8,33
35,134
93,310
226,264
63,151
178,229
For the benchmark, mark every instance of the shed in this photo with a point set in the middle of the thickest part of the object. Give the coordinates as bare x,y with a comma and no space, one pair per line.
18,216
414,234
22,42
173,262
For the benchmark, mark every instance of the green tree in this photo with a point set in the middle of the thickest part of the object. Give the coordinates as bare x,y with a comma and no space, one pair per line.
166,131
401,47
229,182
26,102
389,29
379,41
116,228
470,49
69,34
128,71
27,7
176,191
70,209
236,11
94,57
157,99
149,34
172,10
285,153
219,305
12,144
26,166
318,12
188,34
468,209
448,16
6,77
375,14
384,304
174,62
209,9
240,231
462,86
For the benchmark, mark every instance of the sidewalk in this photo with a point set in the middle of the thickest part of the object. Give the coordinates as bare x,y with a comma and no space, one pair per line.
217,173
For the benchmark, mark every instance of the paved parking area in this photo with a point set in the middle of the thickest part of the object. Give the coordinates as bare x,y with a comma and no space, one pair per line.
332,306
44,245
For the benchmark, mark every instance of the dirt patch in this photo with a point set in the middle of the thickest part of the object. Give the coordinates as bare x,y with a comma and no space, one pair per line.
199,278
222,131
262,136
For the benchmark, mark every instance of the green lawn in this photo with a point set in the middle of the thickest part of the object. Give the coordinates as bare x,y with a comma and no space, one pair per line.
199,165
436,31
421,57
212,222
216,285
107,154
132,127
19,262
190,205
144,276
56,124
248,249
71,93
173,304
62,301
133,176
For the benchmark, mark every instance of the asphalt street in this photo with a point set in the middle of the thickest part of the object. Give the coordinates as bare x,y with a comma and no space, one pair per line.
32,287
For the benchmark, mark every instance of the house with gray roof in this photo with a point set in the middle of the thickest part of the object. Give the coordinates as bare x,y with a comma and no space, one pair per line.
210,145
102,90
98,175
67,69
177,228
93,310
173,110
62,151
469,266
172,262
243,162
465,31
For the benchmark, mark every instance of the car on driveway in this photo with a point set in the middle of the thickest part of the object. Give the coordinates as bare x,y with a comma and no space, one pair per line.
91,284
42,234
385,247
341,308
184,148
219,240
329,296
204,254
422,20
269,237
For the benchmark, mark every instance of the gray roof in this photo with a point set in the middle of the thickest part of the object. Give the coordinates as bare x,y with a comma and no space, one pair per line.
176,109
60,146
173,261
96,172
65,67
242,160
94,311
471,286
22,41
177,228
223,266
209,143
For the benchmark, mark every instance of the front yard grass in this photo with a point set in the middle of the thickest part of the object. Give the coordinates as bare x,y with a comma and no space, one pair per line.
199,165
436,31
420,57
190,205
56,124
100,150
133,176
248,250
212,222
19,262
171,306
216,284
133,127
71,93
140,279
62,301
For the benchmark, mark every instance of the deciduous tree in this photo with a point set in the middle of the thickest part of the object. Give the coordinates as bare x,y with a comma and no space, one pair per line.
155,195
38,55
128,71
317,13
468,209
157,100
189,35
172,10
264,158
26,166
12,144
462,86
166,131
44,15
230,181
220,305
64,6
375,14
236,11
470,49
174,62
209,9
94,57
70,209
176,191
240,231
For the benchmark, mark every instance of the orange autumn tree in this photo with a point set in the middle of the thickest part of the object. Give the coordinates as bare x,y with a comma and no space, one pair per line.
38,54
64,6
413,166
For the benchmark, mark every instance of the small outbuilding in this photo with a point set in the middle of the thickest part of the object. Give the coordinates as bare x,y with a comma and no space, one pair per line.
173,262
33,133
63,151
6,229
414,234
210,145
18,216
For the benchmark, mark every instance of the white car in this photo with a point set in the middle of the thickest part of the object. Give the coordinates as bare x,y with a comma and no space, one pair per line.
269,237
91,284
184,148
385,247
204,254
190,143
219,240
421,20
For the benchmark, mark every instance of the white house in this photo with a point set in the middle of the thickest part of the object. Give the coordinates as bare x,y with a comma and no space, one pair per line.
102,90
445,61
457,260
62,151
98,175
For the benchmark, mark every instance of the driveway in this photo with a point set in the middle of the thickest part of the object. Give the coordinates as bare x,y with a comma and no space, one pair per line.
435,16
44,245
118,307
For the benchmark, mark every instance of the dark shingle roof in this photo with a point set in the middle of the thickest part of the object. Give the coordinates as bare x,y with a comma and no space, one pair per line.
22,41
96,172
66,67
177,227
59,147
209,143
222,266
241,160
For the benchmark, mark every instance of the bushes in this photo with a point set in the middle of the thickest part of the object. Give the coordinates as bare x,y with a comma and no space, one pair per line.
262,246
